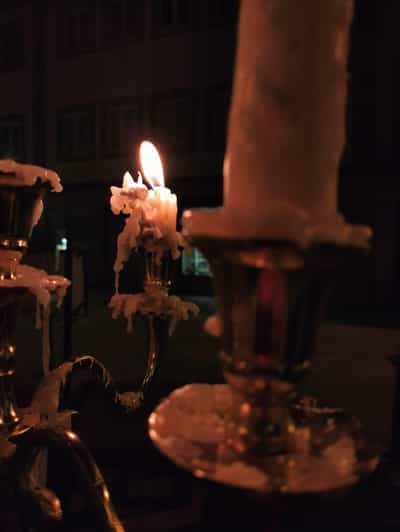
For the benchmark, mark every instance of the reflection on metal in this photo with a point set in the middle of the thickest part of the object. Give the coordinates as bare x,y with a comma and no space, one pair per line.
39,506
270,298
34,506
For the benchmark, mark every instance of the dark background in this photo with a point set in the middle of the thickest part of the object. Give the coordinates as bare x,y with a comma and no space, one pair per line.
83,82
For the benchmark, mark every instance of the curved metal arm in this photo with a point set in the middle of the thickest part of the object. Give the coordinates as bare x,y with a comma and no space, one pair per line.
42,507
87,372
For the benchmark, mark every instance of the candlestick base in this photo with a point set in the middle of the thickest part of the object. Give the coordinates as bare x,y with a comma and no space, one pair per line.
325,448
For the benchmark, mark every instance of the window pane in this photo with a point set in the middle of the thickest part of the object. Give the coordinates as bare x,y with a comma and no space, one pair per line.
222,12
182,12
111,17
173,16
76,29
135,18
87,30
12,143
12,45
76,134
85,133
122,127
173,121
194,263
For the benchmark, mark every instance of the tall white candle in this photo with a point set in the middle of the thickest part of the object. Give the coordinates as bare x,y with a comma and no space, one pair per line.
286,130
287,121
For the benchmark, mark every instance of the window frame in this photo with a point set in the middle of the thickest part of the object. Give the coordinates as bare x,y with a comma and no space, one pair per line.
63,155
109,151
20,121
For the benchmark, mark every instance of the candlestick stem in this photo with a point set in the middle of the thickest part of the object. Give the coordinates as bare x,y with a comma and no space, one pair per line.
157,332
9,417
157,270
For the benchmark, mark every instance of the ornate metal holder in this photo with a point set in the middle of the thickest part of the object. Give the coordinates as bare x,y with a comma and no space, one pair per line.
9,416
160,310
270,300
19,207
82,499
22,442
158,277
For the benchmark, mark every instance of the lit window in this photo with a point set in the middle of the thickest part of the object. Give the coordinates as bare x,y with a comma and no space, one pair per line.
194,263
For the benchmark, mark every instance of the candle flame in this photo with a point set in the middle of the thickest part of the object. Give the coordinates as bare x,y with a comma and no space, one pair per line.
151,164
127,181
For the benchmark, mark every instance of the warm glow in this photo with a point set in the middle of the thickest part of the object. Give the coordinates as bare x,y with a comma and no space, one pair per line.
127,181
151,164
106,493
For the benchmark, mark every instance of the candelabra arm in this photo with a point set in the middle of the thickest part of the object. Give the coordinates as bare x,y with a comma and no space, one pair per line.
74,381
44,507
157,332
9,416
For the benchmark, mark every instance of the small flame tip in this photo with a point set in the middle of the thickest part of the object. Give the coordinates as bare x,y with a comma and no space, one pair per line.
151,164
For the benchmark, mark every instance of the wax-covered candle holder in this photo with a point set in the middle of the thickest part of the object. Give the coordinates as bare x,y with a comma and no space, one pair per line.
25,433
150,231
270,298
160,310
20,207
157,282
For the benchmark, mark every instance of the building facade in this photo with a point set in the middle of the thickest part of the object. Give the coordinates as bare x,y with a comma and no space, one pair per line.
83,82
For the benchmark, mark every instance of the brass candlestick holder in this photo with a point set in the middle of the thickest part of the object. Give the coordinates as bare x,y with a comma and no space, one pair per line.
23,438
19,206
161,312
262,434
271,299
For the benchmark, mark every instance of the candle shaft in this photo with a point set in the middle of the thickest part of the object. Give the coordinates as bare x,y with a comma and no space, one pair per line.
287,121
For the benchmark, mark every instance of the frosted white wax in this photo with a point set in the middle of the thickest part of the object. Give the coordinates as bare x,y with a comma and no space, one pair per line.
18,174
151,221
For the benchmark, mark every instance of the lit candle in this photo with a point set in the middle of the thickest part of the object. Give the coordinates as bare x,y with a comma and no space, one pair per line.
164,202
151,220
